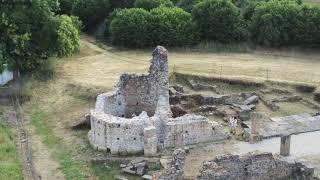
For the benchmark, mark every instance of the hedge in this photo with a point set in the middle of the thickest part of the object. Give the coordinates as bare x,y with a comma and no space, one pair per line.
219,20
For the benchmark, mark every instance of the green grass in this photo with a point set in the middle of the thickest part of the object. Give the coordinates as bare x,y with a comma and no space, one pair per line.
71,168
10,166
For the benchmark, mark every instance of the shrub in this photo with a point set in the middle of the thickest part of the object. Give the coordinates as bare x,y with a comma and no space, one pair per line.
173,27
66,6
91,12
219,20
121,3
274,23
309,26
187,5
131,28
67,30
150,4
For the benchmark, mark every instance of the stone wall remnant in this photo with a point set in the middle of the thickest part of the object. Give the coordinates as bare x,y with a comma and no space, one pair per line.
254,166
5,75
136,117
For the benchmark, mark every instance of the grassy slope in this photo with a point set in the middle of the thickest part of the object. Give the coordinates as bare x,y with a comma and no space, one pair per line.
10,166
57,104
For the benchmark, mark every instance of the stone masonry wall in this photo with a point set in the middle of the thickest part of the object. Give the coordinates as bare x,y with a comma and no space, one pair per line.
254,166
136,117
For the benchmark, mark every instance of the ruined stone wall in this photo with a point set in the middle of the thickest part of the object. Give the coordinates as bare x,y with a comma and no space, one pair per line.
134,93
136,117
118,135
192,129
254,166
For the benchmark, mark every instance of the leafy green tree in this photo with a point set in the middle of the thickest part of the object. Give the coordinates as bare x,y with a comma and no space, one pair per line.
173,27
131,28
121,4
91,12
28,35
274,23
219,20
150,4
66,6
187,5
309,26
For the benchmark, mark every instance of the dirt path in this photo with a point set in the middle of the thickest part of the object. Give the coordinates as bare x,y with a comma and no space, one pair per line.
23,139
47,168
35,157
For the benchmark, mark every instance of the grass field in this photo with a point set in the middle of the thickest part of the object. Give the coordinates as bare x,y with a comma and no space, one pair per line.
10,166
61,102
102,67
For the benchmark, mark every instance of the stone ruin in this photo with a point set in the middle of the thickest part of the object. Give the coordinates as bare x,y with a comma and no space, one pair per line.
136,117
254,166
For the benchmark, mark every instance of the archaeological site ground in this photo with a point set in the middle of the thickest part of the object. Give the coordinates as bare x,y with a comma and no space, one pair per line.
111,114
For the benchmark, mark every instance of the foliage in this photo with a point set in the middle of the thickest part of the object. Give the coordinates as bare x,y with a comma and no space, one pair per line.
66,6
173,27
137,27
274,23
150,4
67,30
187,5
131,28
219,20
309,26
121,3
29,33
91,12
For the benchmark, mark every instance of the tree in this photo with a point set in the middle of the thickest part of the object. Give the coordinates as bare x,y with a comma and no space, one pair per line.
274,23
91,12
187,5
173,27
28,35
219,20
131,28
150,4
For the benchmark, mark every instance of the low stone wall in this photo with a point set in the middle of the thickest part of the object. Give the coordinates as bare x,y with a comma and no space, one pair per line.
192,129
254,166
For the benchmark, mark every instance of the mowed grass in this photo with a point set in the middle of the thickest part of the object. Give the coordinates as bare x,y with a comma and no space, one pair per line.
10,166
102,67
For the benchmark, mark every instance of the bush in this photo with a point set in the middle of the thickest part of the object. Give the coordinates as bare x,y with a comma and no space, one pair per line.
150,4
91,12
131,28
67,30
173,27
66,6
187,5
274,23
219,20
309,26
121,3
